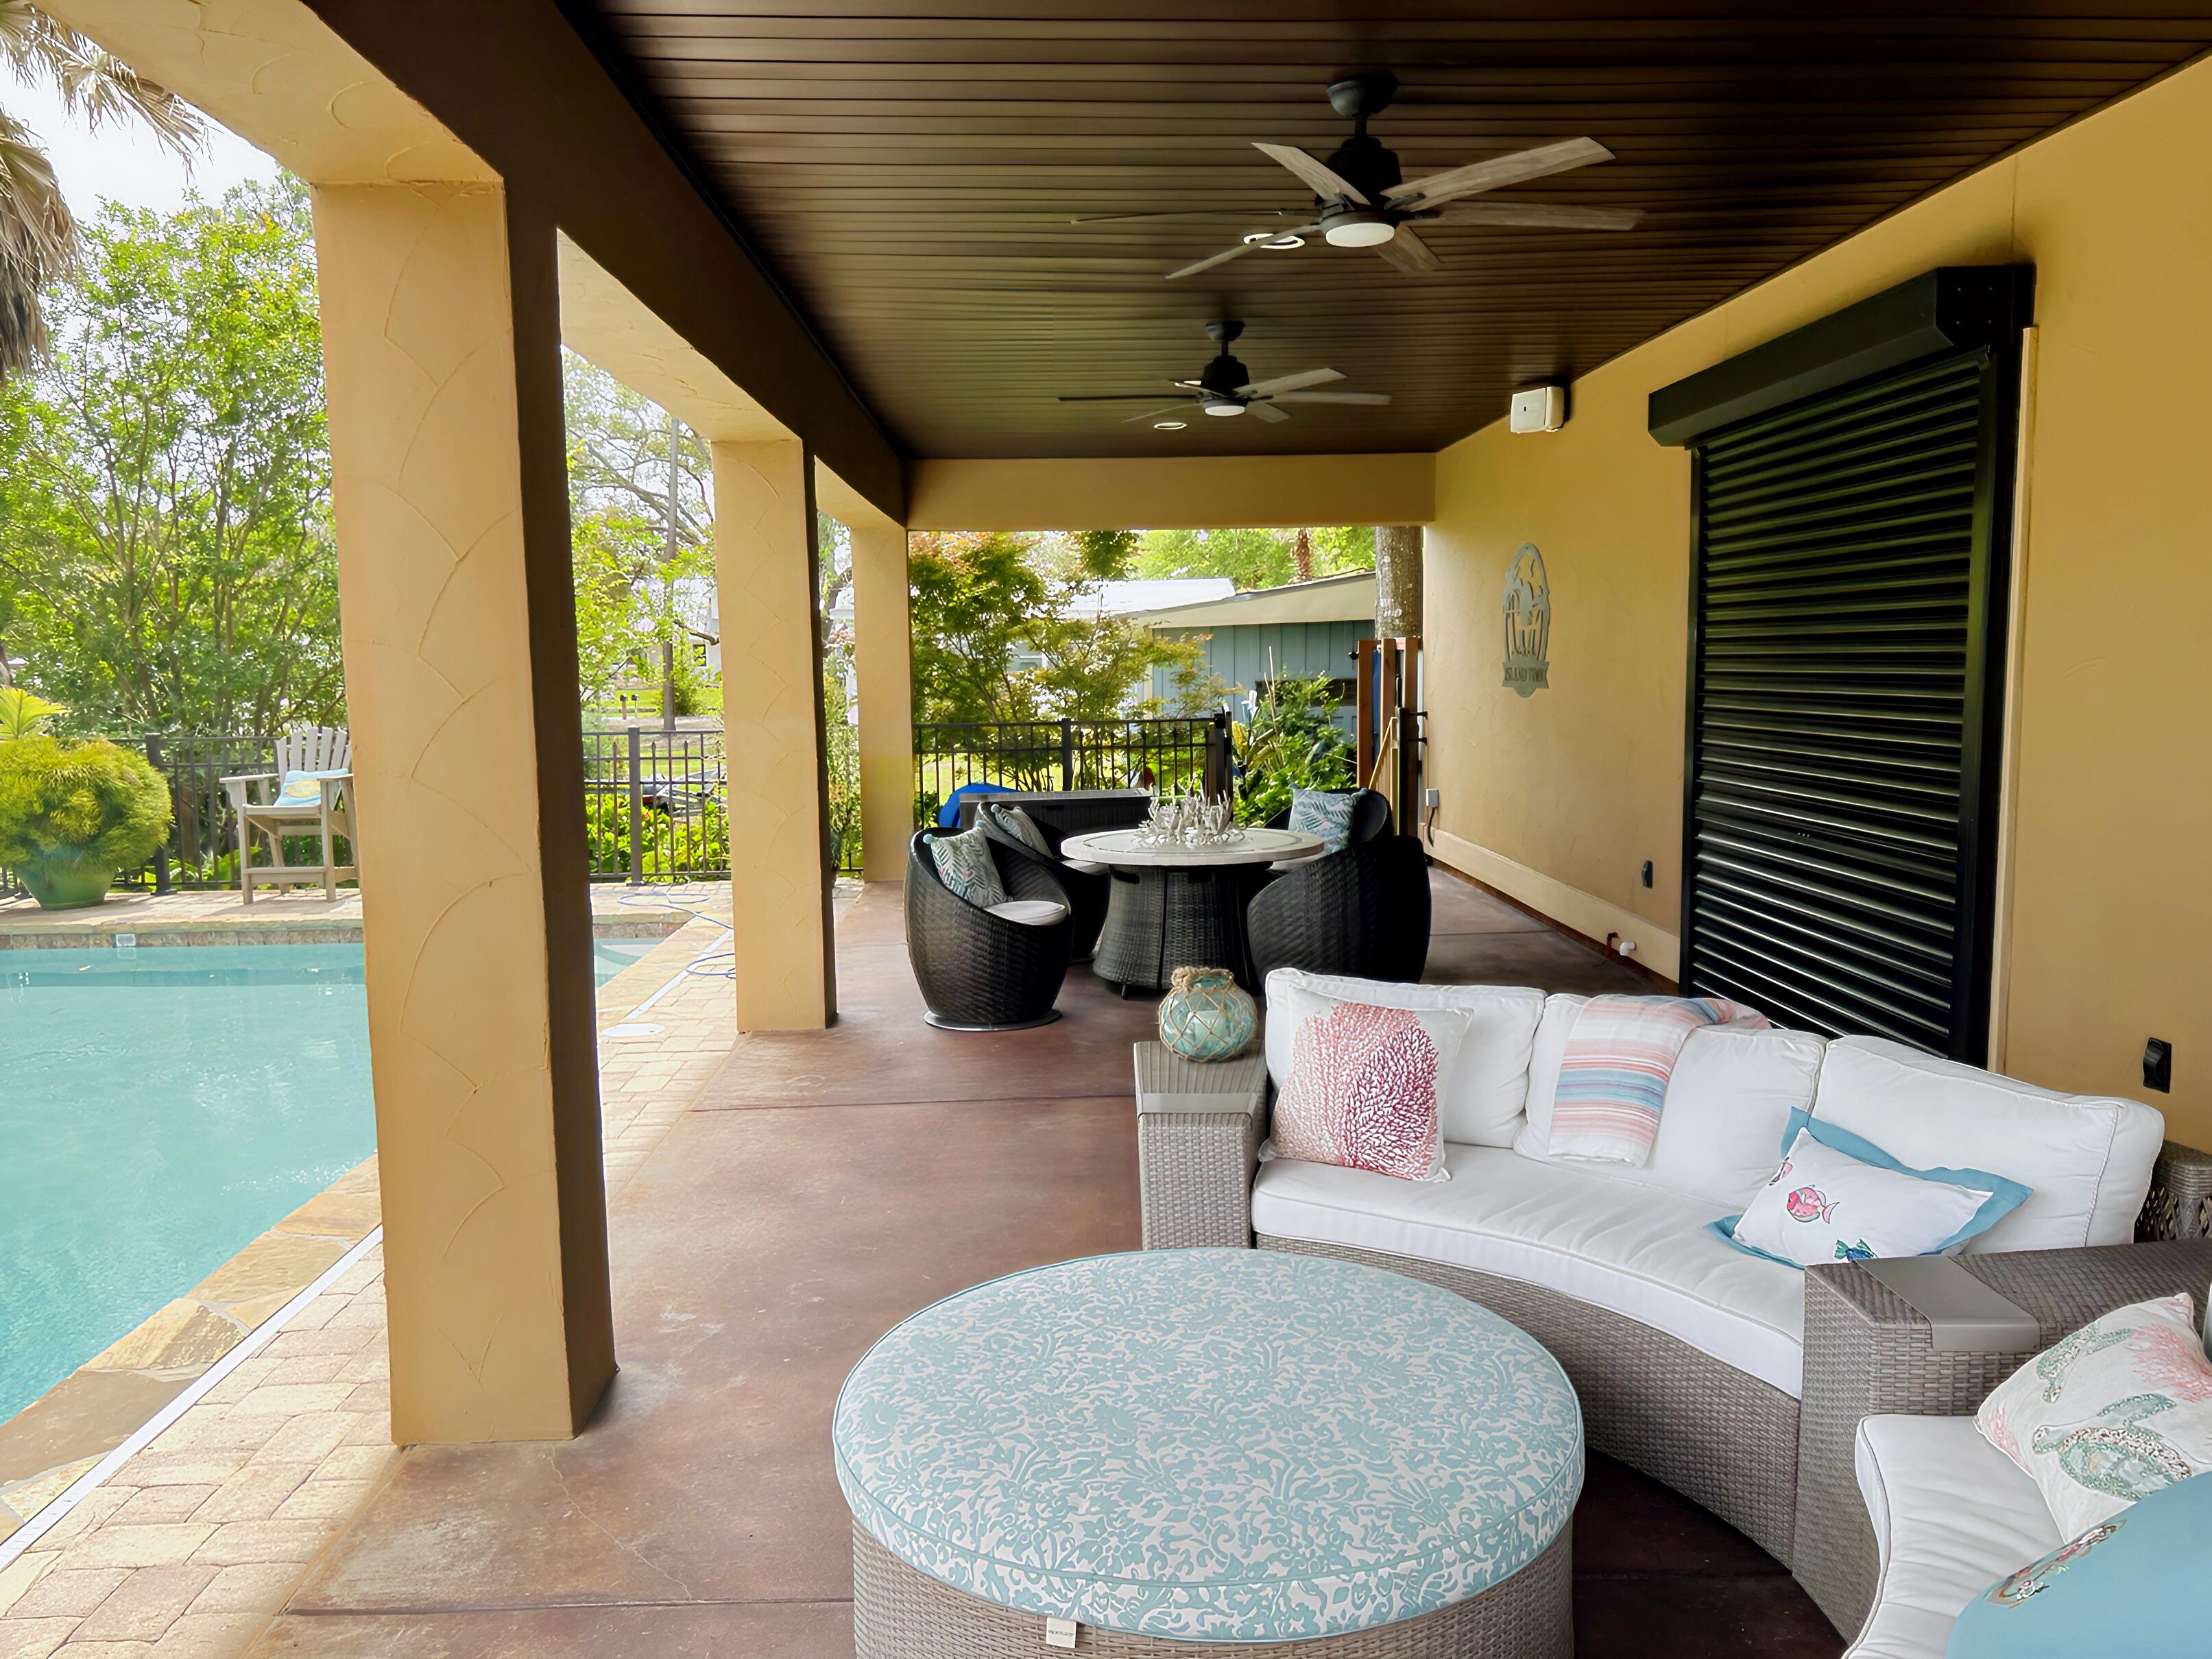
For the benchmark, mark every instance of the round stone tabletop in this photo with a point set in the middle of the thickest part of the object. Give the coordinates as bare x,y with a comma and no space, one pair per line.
1211,1445
1257,847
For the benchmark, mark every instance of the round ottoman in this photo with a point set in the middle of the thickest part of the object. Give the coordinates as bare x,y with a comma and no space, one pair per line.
1128,1455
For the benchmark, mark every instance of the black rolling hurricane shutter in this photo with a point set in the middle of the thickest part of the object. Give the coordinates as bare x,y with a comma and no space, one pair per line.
1838,847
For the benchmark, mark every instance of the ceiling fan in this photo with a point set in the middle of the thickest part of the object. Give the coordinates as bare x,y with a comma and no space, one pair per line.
1364,202
1226,388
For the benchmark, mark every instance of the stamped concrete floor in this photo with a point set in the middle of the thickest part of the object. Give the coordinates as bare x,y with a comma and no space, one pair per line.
823,1187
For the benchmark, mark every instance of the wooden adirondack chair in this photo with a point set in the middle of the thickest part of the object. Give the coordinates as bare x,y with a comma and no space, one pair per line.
316,760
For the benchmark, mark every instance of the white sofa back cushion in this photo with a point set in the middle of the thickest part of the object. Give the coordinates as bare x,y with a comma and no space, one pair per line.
1728,1104
1481,1094
2085,1160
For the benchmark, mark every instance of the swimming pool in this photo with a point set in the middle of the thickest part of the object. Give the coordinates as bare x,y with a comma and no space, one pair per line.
159,1110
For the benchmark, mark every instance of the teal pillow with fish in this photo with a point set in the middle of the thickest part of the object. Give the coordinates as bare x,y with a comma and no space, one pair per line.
2124,1586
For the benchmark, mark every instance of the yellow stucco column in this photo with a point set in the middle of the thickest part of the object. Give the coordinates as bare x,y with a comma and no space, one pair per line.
882,658
441,339
779,872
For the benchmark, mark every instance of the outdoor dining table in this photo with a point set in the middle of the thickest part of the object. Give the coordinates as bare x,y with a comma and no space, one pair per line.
1180,906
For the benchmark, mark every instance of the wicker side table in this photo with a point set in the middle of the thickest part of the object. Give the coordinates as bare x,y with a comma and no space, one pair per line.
1199,1129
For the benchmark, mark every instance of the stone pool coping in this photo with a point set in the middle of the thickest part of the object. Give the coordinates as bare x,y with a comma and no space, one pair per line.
150,920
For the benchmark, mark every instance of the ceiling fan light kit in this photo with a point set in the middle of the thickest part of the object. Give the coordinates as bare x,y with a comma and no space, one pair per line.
1224,389
1361,199
1358,228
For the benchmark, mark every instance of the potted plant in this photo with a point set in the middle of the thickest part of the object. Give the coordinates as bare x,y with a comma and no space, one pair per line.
73,814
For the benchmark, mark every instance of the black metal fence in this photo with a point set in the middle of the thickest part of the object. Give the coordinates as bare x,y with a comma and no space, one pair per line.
657,803
1171,753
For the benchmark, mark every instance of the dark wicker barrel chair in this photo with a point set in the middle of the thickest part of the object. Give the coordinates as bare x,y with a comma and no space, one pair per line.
1087,889
981,972
1363,911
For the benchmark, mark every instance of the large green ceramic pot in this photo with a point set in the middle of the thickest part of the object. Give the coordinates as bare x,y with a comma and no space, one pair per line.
71,884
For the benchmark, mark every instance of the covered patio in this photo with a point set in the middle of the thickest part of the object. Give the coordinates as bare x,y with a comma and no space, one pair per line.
885,1165
1777,658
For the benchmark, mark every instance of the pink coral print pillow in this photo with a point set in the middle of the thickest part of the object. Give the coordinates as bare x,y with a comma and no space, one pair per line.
1362,1089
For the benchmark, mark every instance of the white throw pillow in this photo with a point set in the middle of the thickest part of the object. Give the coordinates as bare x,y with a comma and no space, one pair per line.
2087,1161
1484,1087
1362,1091
1728,1103
1823,1205
2118,1410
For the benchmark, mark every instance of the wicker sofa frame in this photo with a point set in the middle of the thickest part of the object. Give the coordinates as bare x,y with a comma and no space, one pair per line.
1778,1469
979,972
1362,911
899,1612
1868,1352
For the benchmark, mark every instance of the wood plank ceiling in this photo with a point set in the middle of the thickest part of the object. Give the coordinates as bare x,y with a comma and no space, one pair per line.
908,169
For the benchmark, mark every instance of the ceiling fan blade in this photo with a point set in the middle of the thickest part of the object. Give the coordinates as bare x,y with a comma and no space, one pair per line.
1541,216
1290,382
1208,263
1266,412
1516,168
1410,253
1325,184
1113,398
1185,213
1154,414
1332,396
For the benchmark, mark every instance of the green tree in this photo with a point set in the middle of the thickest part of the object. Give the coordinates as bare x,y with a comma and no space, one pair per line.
39,239
165,478
1254,558
641,511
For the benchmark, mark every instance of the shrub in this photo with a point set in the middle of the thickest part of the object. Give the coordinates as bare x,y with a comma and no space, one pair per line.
82,803
1292,742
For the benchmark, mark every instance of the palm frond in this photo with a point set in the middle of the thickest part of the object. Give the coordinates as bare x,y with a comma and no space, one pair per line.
93,82
38,242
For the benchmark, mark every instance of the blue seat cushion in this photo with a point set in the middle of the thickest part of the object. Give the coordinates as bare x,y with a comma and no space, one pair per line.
2131,1586
1211,1445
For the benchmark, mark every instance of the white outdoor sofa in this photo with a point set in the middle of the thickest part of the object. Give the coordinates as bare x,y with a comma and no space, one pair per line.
1739,1381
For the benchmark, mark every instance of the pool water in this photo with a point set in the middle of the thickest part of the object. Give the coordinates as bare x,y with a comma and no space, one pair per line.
160,1109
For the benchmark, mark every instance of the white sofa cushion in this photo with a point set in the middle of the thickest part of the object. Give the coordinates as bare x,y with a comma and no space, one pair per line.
1483,1091
1951,1516
1728,1104
1637,1249
2086,1161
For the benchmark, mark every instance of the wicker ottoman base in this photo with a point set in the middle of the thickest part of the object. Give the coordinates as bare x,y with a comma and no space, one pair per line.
900,1612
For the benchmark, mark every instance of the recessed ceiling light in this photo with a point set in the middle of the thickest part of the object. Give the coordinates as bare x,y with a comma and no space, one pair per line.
1169,426
1272,240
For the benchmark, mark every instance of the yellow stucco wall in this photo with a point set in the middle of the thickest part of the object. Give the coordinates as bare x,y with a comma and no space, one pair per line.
1557,798
1190,492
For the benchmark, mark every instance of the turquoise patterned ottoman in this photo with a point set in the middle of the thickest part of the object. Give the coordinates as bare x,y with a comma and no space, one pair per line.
1130,1454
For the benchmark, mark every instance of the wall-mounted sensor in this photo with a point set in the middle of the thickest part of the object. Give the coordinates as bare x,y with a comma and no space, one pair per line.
1538,409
